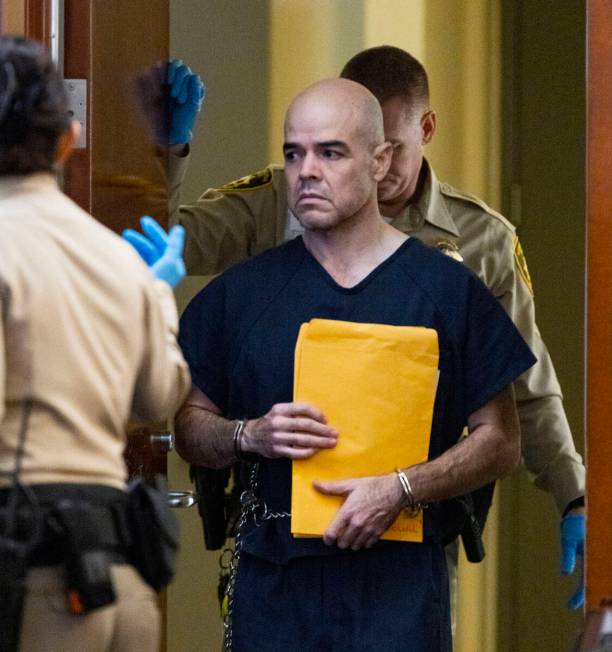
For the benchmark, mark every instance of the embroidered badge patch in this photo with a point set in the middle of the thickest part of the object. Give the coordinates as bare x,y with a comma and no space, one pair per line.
449,248
521,265
256,180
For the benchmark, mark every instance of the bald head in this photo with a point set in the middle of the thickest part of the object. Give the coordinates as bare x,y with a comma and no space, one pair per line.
340,102
335,154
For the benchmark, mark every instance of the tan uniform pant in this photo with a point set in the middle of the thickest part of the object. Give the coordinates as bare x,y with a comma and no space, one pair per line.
131,624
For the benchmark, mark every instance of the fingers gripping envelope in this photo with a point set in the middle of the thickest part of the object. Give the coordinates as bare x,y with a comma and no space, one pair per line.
376,385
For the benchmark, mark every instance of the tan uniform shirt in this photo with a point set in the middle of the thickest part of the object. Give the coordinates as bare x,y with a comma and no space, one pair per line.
86,333
250,215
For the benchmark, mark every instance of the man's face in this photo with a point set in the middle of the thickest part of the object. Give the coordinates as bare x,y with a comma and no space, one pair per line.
328,164
405,131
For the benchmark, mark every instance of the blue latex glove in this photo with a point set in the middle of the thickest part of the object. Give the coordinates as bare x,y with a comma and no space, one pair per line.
186,93
163,252
572,545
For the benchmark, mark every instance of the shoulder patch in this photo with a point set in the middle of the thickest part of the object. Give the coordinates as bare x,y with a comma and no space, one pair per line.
261,178
449,248
521,265
450,191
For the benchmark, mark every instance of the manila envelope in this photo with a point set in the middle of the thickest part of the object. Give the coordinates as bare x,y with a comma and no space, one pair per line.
376,385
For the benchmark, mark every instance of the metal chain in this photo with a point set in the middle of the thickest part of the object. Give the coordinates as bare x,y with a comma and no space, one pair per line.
250,504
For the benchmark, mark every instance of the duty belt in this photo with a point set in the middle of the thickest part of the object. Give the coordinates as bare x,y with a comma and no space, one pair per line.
106,506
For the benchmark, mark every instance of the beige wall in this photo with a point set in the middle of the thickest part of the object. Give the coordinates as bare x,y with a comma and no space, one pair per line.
308,41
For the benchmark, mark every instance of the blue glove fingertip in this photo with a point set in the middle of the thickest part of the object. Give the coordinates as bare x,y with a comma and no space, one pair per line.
176,240
202,87
173,64
142,245
180,75
155,233
183,93
577,600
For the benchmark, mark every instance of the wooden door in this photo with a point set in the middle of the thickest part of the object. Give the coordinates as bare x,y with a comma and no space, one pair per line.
599,294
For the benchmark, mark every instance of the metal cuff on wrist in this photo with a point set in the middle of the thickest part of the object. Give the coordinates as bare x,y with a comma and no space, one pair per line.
413,508
238,430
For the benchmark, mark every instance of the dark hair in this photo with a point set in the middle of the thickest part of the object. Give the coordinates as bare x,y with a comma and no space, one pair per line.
33,107
388,72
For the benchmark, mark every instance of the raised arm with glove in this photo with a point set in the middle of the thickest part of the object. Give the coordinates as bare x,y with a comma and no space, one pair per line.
170,96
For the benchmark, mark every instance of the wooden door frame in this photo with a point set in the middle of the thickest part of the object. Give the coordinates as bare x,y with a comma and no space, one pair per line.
599,301
78,38
38,20
76,65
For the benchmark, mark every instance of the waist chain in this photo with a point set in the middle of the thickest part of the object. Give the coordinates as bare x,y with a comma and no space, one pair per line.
250,505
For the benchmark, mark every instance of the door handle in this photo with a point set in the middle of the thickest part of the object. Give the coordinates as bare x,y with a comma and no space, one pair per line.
182,499
162,442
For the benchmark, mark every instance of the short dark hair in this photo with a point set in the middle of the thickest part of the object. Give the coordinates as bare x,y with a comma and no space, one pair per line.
387,72
33,107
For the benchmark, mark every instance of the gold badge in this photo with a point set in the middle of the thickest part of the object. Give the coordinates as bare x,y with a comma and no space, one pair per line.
256,180
521,265
449,248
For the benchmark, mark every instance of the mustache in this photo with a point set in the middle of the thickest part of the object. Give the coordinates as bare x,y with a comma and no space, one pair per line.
309,189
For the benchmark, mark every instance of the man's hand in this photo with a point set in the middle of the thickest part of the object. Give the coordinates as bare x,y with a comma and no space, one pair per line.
371,506
160,250
170,96
293,430
572,545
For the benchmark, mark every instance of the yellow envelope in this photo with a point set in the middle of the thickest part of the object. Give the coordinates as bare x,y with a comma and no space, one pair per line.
376,385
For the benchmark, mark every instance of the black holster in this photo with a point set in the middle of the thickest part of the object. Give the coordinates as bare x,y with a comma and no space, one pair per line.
88,560
155,532
466,516
218,492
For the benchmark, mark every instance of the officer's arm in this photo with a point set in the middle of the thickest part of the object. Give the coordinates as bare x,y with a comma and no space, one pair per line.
218,233
547,444
163,379
548,448
204,437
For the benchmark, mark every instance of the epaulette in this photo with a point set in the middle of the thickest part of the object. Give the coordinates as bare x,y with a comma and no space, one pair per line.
250,181
450,191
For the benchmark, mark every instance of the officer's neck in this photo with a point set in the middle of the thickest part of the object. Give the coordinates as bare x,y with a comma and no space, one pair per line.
393,207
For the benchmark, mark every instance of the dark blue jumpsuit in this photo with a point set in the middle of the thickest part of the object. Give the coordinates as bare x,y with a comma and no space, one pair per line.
239,335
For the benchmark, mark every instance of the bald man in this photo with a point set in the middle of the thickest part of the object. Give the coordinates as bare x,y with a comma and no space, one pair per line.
346,590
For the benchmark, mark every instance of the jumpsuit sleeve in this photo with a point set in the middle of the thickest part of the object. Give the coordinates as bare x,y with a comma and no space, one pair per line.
163,378
548,448
225,225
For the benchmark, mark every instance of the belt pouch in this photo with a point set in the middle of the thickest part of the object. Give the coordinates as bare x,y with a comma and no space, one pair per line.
154,529
13,571
89,583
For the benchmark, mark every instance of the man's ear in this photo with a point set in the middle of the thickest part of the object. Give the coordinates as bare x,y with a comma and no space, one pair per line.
382,157
428,125
66,141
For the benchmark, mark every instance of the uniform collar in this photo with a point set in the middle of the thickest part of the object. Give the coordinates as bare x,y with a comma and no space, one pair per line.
38,181
429,207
